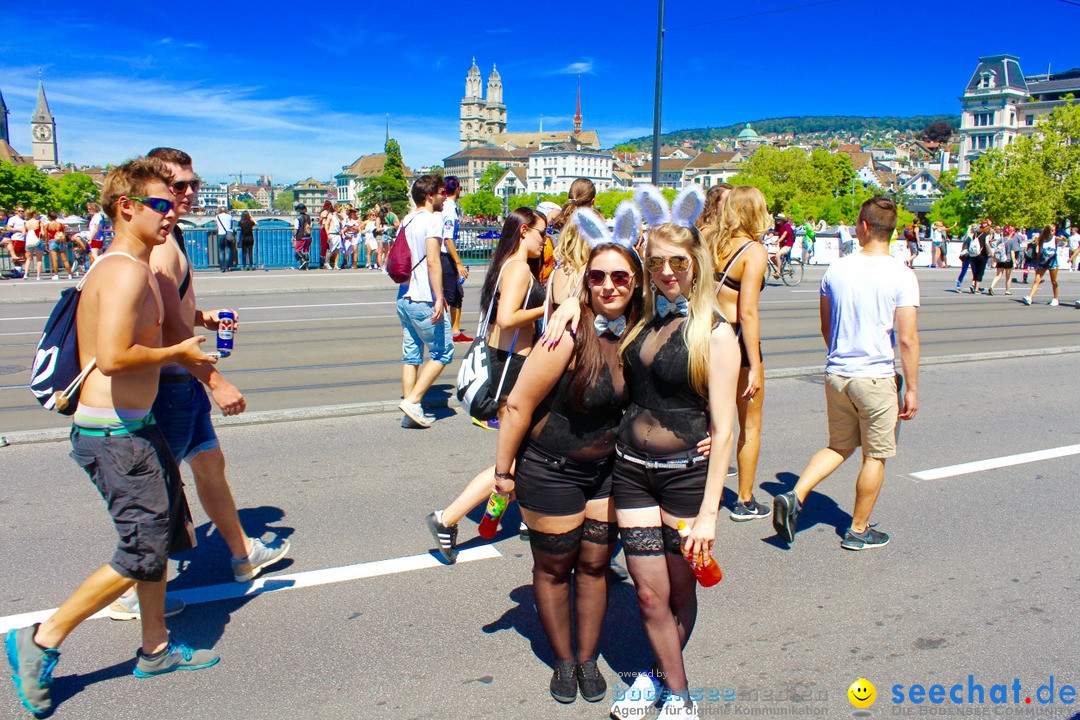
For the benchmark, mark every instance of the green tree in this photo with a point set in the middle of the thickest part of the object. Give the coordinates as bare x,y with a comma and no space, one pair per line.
529,200
481,203
608,201
72,191
938,131
389,188
285,201
490,176
27,186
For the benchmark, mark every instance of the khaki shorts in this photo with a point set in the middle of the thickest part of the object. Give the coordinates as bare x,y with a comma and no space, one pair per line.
862,411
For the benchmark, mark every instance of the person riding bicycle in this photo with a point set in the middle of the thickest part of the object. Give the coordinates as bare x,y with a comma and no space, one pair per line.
785,234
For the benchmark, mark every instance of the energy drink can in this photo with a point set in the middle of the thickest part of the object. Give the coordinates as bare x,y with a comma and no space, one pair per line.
226,330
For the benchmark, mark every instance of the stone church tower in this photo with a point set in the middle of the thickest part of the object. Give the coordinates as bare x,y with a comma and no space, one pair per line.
482,120
43,132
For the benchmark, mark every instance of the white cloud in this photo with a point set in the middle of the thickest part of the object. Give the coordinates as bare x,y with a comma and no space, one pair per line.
584,67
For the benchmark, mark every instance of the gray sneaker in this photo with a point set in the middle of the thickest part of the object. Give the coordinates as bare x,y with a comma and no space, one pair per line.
176,656
786,509
749,511
864,541
262,555
31,669
127,608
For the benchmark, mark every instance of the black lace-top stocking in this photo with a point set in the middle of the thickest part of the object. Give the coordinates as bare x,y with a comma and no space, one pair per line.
590,435
665,415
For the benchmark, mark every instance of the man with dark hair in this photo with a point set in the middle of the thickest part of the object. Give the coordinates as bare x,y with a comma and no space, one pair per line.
862,297
785,241
454,271
182,407
421,306
302,238
114,438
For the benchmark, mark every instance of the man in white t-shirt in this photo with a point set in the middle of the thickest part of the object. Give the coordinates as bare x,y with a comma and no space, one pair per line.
421,306
844,244
1074,247
454,271
226,239
15,229
862,297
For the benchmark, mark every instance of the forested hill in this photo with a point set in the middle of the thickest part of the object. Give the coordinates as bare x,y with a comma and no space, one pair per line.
838,124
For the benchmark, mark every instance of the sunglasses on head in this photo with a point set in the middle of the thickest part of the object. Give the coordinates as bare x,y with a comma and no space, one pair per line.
678,263
181,186
619,278
158,205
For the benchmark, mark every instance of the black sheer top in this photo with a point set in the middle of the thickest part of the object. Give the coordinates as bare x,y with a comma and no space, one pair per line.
665,414
561,429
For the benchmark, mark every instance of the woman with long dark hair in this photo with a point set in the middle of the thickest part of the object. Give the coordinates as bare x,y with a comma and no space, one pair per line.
513,285
558,429
681,364
247,241
740,277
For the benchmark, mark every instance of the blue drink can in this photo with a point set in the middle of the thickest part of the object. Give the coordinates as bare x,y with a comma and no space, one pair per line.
226,330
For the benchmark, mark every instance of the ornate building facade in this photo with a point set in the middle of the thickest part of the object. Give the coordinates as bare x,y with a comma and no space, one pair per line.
482,118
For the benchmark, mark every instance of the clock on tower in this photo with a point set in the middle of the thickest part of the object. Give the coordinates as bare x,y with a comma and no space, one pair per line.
42,133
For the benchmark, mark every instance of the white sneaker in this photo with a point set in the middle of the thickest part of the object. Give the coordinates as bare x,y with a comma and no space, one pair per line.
1027,300
416,413
633,702
678,709
55,277
1053,303
127,608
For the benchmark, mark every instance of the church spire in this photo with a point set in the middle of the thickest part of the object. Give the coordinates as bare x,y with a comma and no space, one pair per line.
42,114
5,135
577,115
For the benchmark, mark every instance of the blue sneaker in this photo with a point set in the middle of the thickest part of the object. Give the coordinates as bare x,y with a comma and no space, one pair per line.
176,656
31,669
871,538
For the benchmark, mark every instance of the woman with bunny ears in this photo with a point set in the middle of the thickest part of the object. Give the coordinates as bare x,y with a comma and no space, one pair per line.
681,364
740,277
559,428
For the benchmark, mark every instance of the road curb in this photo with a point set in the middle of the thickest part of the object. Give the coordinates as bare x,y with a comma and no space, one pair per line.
379,407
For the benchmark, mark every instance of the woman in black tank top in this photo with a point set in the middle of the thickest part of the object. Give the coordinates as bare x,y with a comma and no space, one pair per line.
558,430
740,277
681,364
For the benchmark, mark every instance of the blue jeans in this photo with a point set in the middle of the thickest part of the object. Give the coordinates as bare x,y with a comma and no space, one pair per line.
226,251
417,332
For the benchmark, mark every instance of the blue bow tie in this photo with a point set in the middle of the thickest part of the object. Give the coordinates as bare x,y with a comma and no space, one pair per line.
665,307
614,327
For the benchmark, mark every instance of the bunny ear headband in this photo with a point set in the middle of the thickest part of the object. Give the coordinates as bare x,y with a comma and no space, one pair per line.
594,229
683,212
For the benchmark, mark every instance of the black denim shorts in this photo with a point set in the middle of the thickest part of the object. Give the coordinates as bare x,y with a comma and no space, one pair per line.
552,485
677,491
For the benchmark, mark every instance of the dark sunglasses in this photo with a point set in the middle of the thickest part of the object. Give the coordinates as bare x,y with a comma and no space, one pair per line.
158,205
181,186
619,278
678,263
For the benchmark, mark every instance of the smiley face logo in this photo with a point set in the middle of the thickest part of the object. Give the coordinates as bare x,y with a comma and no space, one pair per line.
862,693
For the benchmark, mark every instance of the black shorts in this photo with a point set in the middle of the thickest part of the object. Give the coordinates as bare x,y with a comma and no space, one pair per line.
552,485
499,358
453,291
1005,265
745,356
678,491
140,483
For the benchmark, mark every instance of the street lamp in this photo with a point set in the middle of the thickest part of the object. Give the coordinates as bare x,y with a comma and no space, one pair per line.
657,96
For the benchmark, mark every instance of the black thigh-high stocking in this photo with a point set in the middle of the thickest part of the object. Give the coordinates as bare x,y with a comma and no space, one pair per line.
683,585
554,558
591,578
645,559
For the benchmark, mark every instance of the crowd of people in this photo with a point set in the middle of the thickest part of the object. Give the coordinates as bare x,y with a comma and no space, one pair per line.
26,236
625,357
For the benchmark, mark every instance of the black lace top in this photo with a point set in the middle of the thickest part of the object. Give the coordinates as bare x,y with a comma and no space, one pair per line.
563,430
665,414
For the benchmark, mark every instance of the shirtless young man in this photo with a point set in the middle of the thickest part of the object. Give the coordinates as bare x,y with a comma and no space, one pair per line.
115,440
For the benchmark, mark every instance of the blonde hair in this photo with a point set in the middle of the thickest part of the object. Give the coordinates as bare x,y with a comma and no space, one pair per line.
572,249
744,214
703,312
582,194
132,179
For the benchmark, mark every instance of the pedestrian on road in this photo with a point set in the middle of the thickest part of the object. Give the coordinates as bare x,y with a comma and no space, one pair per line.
421,307
965,255
512,285
350,237
302,238
247,241
740,277
95,231
681,363
332,227
1005,252
844,242
558,430
1074,247
56,239
122,450
979,254
455,272
1046,259
35,243
862,298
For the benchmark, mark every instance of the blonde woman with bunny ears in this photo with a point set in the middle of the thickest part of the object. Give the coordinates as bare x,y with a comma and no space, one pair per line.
681,364
740,277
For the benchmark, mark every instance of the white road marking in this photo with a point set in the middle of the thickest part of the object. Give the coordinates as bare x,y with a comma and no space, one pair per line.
993,463
277,583
321,305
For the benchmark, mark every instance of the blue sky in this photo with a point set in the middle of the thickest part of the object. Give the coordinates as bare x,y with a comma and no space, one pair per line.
264,88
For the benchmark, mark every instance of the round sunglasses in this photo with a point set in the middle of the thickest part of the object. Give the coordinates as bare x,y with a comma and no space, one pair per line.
677,263
619,278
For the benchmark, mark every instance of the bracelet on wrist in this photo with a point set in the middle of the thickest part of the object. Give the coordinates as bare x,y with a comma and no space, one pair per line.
504,475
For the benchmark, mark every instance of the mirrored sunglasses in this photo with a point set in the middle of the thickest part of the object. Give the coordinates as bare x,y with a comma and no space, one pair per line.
678,263
619,278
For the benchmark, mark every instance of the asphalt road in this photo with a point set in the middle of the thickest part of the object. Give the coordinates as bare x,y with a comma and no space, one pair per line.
981,577
322,338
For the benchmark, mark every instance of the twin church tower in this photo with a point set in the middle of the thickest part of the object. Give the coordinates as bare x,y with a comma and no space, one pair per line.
482,118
